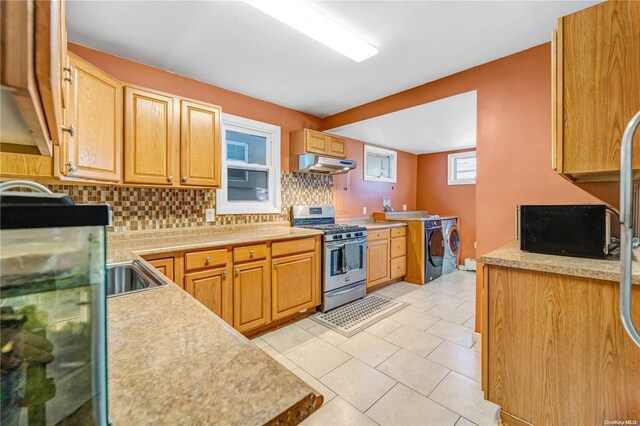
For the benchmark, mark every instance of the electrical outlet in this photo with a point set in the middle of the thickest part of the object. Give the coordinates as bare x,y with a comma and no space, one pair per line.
364,210
211,215
404,207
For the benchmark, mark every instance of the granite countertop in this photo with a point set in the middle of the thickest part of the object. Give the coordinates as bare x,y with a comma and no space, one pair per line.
172,361
511,256
382,225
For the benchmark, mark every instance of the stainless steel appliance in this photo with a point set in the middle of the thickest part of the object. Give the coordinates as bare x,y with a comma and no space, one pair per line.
344,254
312,163
53,309
434,253
451,245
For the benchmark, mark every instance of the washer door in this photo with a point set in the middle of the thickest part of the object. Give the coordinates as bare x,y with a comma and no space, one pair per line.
436,247
453,241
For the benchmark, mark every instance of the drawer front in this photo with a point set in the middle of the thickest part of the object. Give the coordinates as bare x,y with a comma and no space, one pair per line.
398,247
247,253
293,246
399,267
205,259
398,232
380,234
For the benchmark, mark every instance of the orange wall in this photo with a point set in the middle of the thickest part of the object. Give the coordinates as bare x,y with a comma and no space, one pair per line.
438,197
362,193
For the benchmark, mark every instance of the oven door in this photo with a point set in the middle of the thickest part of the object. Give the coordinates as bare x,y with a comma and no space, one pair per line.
334,274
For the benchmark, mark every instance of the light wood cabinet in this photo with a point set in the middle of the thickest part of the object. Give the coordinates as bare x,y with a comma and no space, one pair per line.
378,262
164,266
212,288
94,110
314,142
251,295
200,146
596,89
150,138
293,282
561,336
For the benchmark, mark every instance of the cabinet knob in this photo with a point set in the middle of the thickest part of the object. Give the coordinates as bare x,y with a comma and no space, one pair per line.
251,253
72,167
207,260
170,178
71,130
68,69
237,271
184,178
275,264
225,273
69,80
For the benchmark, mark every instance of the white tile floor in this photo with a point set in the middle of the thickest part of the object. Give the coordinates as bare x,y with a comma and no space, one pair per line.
420,366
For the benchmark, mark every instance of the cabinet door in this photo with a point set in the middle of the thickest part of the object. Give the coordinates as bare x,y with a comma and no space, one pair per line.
337,147
293,280
149,137
316,142
251,295
598,75
94,110
377,262
213,289
164,266
199,144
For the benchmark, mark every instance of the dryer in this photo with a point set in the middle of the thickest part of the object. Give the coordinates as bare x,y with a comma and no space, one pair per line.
451,245
434,250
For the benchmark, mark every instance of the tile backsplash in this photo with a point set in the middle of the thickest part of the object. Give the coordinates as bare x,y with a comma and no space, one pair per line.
137,209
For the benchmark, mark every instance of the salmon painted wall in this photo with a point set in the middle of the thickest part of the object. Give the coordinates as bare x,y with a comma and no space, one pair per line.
438,197
351,192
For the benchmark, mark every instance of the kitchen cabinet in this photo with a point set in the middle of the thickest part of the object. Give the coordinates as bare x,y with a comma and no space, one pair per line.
94,110
562,336
386,255
596,89
378,262
251,295
200,146
164,266
314,142
398,265
33,55
150,137
293,284
212,288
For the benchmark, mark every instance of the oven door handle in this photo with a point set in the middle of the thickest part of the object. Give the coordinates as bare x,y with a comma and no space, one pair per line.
333,245
350,288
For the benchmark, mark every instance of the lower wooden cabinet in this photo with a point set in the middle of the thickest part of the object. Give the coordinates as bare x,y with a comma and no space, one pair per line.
213,289
293,282
251,295
386,255
164,266
377,262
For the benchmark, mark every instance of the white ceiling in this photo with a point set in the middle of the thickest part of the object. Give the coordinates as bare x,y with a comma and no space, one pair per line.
443,125
235,46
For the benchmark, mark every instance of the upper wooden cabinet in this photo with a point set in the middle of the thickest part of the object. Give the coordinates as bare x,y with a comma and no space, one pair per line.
150,137
33,54
596,85
314,142
94,111
200,147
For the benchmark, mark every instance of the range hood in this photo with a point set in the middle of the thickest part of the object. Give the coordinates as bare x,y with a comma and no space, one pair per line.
313,163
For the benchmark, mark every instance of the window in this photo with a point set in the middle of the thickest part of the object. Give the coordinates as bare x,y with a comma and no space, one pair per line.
250,167
462,168
380,165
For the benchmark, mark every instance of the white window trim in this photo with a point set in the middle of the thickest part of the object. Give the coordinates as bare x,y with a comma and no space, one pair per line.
272,132
451,168
393,173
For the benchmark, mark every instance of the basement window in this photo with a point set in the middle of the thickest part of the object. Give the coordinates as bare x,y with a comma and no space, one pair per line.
250,167
462,168
380,165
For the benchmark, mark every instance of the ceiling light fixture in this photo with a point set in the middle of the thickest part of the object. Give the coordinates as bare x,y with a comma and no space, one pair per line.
307,20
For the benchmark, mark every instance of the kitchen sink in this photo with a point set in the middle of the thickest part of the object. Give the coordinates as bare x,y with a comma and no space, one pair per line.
130,277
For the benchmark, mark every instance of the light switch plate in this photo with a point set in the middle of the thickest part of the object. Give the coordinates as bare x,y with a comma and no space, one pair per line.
364,210
211,215
404,207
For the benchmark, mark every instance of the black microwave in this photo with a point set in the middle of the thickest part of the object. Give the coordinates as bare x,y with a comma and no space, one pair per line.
564,230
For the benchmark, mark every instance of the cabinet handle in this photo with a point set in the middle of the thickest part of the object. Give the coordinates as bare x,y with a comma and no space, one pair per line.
184,178
275,264
251,253
71,130
225,273
72,167
207,260
237,271
170,178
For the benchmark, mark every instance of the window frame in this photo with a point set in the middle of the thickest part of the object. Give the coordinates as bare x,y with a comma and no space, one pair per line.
451,165
272,134
393,164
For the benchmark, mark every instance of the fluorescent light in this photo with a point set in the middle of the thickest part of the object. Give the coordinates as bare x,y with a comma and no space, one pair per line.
314,24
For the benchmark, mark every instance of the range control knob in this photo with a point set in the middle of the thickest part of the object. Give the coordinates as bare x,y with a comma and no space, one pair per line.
348,236
335,237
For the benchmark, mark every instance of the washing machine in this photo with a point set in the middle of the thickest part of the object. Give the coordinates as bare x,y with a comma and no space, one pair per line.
451,245
435,249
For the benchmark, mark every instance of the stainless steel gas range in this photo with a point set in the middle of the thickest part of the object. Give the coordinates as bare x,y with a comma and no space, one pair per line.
344,254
